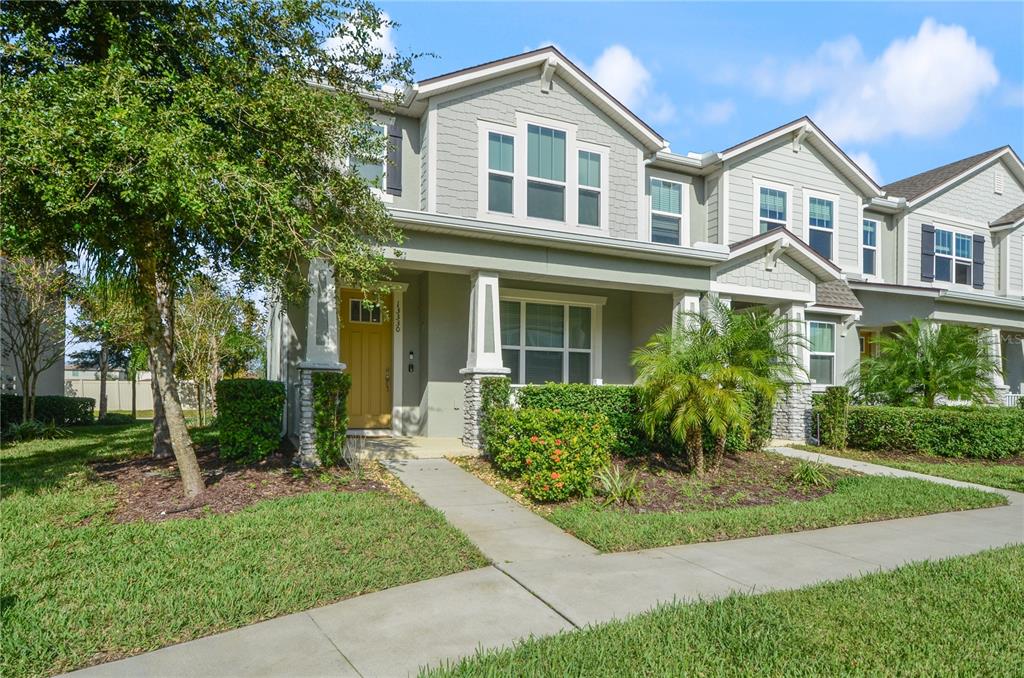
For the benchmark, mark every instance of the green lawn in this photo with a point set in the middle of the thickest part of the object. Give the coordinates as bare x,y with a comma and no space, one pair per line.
857,499
78,589
958,617
992,474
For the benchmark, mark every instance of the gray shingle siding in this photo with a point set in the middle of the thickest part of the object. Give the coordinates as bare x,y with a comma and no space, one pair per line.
750,271
457,154
974,198
424,159
711,191
804,171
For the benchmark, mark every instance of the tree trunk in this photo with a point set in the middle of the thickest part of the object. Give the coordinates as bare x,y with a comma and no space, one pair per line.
103,379
161,434
199,400
695,451
158,311
719,453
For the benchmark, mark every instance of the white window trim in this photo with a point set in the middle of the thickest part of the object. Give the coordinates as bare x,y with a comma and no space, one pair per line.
811,352
951,283
684,227
877,275
596,305
571,184
834,199
381,193
756,204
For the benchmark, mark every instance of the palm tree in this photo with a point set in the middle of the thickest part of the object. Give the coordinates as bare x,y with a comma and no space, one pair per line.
921,361
706,371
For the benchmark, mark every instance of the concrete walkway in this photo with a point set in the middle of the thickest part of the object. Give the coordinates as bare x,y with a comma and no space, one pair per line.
545,581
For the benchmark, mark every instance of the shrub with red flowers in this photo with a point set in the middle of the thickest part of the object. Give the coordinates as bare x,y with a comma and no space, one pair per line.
556,452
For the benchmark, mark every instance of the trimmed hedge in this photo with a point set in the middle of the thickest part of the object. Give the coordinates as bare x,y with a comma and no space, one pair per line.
832,411
330,414
557,452
249,415
984,433
59,410
620,404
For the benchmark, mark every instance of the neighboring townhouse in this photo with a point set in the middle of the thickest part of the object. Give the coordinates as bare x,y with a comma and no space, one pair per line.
549,232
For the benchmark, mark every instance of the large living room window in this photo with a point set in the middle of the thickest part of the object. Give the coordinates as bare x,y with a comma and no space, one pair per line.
823,351
545,169
546,342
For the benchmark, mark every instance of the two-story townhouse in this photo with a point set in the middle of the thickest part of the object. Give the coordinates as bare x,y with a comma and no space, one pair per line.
549,232
956,235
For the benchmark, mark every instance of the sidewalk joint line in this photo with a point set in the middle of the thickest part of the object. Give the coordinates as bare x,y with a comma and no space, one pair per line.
333,644
536,595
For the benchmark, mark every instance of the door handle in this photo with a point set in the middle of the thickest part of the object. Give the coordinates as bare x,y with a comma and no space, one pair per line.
387,379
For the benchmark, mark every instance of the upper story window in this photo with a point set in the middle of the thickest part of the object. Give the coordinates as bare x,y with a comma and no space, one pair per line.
869,247
545,169
954,261
666,211
823,351
820,224
500,172
372,170
590,188
773,208
963,260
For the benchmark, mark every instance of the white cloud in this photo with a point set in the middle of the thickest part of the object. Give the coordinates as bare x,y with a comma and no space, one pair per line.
925,85
717,112
384,41
623,75
868,164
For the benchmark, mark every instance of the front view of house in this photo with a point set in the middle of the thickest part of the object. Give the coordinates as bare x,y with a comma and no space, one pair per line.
549,232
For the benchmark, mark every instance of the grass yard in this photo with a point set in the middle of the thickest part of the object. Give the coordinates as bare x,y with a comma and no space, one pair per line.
79,588
957,617
752,495
1007,474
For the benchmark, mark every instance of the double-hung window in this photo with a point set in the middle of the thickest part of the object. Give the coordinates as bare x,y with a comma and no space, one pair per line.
546,342
545,170
954,260
773,208
666,211
500,172
821,224
589,188
372,170
963,261
943,255
869,247
823,351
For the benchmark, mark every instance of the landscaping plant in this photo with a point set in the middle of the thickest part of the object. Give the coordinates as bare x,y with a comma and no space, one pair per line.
922,362
832,410
700,373
249,418
557,453
811,474
330,414
978,432
617,487
621,404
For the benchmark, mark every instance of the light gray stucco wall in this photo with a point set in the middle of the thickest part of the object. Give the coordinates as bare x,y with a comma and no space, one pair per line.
805,171
847,347
498,101
444,322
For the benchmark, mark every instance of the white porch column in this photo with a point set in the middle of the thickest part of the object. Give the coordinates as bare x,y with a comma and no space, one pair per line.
321,350
792,416
483,356
684,302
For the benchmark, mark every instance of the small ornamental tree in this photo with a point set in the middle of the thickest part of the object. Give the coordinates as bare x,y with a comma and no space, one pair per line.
157,135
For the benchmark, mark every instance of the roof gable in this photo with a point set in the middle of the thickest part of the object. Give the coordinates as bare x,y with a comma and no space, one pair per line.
550,61
781,240
925,185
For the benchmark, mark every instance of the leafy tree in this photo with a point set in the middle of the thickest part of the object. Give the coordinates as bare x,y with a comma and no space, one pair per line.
921,362
156,136
33,293
708,370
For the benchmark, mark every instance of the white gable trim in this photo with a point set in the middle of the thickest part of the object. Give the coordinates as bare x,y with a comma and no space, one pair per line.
1011,158
781,241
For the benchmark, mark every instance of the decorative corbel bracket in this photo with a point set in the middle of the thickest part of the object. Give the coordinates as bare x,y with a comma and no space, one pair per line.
547,74
773,254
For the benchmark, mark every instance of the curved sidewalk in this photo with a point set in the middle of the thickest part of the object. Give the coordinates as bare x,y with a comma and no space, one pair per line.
544,581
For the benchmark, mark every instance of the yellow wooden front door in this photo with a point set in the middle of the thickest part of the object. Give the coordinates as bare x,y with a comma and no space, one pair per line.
366,350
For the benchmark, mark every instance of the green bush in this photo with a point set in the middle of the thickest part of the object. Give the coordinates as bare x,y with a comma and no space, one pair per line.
330,414
761,417
249,415
984,433
115,418
495,393
832,414
59,410
620,404
557,452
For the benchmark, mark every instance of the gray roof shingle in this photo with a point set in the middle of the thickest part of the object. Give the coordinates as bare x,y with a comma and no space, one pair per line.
1011,217
919,184
836,293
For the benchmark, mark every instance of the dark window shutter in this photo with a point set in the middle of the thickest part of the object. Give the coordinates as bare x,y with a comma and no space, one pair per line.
927,252
394,172
978,276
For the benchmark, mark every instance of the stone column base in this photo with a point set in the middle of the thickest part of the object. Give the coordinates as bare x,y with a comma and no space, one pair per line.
792,417
471,378
307,456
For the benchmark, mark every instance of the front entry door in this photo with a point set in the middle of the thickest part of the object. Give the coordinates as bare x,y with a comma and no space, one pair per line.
366,350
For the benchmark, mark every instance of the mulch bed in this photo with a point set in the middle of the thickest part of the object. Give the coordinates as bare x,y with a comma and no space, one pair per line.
747,479
149,489
1016,460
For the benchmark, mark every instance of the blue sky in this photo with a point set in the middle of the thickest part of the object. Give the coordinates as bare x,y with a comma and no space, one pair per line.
902,87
